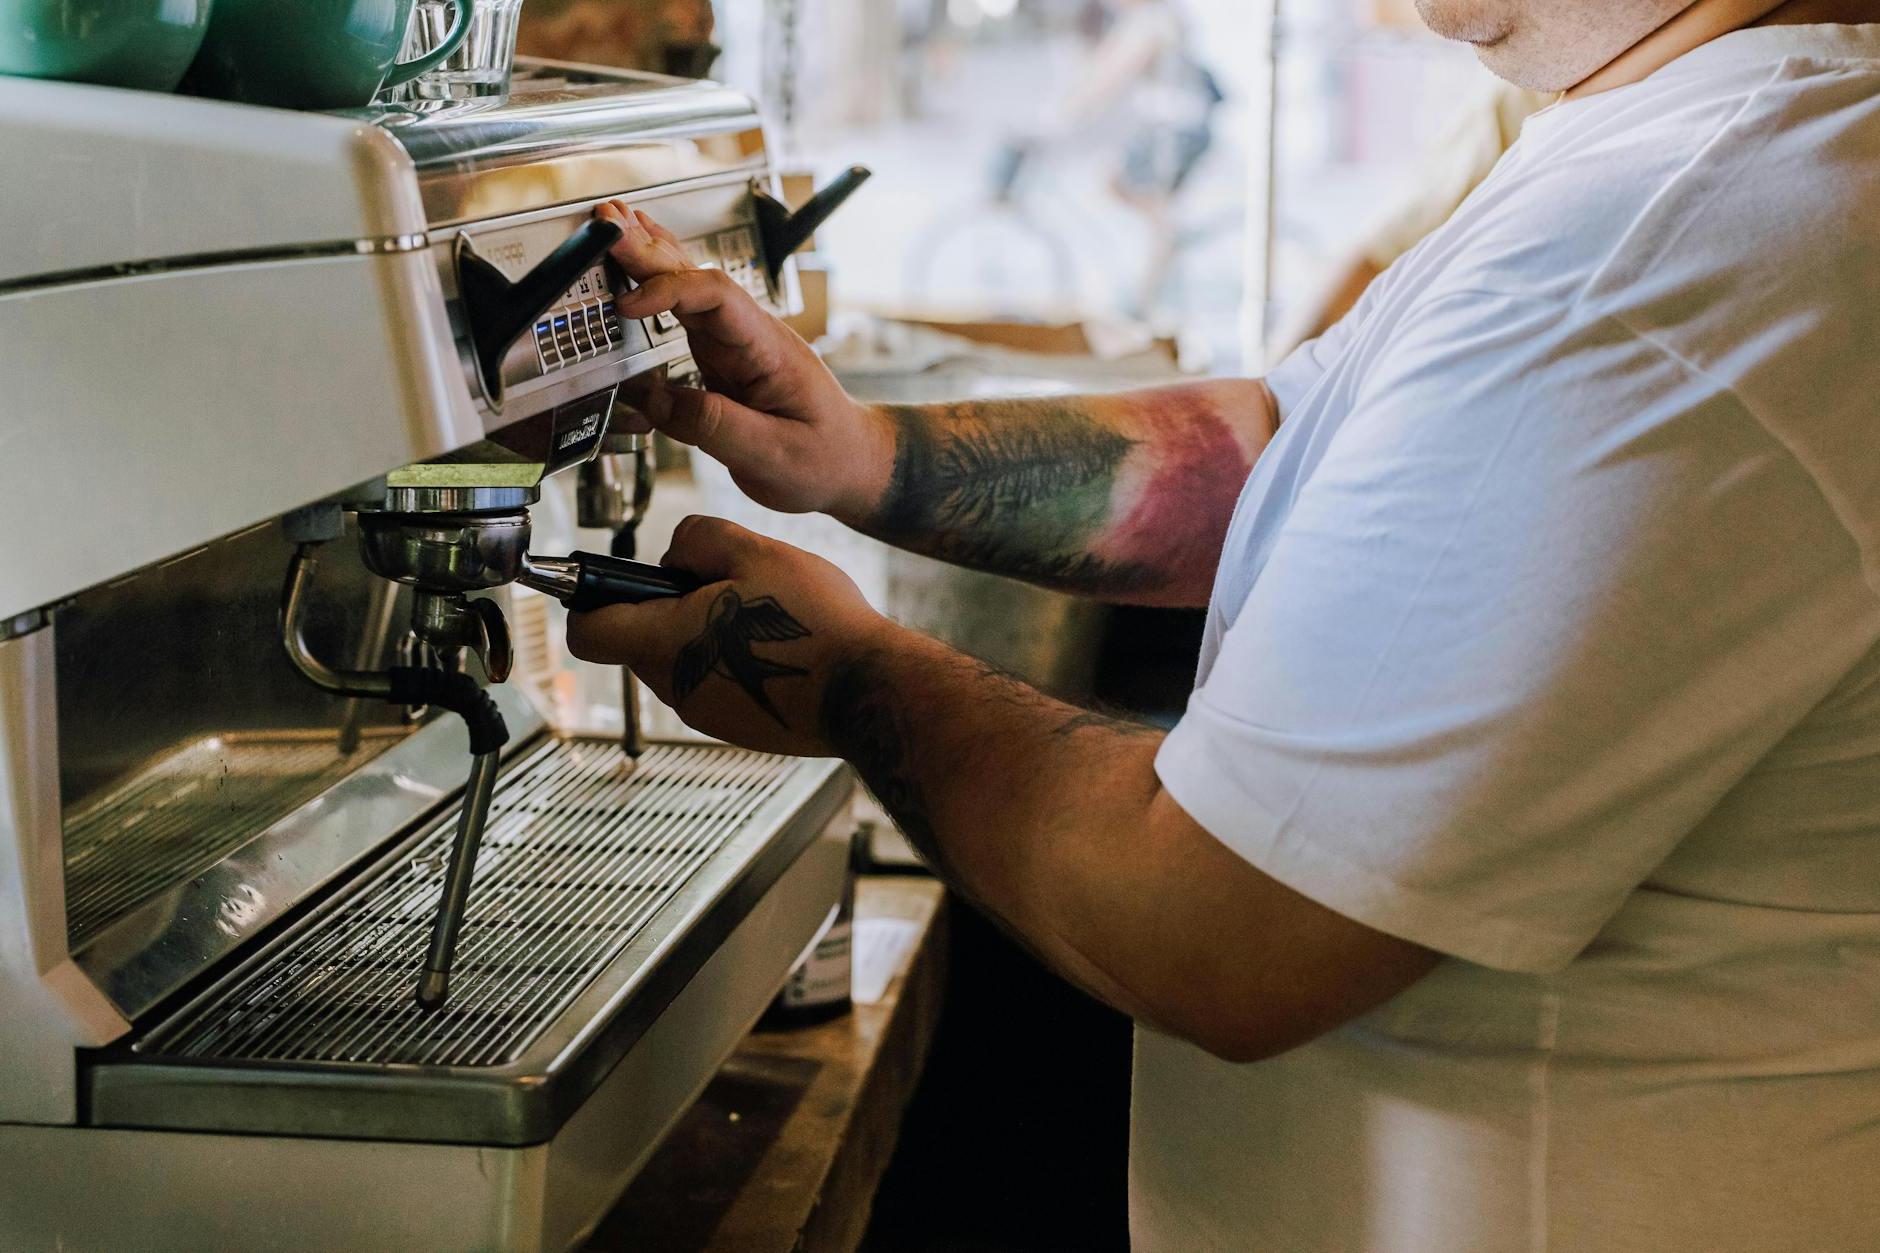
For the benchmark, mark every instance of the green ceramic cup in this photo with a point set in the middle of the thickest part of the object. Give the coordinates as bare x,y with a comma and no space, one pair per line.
120,43
312,54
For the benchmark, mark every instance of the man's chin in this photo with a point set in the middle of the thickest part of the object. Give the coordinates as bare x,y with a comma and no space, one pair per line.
1501,61
1454,20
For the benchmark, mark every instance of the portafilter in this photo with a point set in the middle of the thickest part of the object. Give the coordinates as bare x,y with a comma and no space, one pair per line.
444,556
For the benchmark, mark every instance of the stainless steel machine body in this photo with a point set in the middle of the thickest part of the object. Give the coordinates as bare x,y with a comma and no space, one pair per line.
217,881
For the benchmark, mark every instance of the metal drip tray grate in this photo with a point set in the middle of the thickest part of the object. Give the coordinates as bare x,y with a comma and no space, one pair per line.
583,847
187,812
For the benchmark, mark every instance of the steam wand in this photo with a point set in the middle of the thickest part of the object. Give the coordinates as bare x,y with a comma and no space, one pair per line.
614,492
412,685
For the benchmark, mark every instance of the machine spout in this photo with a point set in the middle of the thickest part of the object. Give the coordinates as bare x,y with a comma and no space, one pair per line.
414,685
434,984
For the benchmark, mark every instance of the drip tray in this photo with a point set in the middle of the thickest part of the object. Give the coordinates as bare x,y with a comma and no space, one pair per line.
189,810
602,886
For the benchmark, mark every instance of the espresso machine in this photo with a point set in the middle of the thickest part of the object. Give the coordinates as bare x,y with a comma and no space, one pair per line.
314,932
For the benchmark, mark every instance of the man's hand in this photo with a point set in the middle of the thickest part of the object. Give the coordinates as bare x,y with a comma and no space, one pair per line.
746,657
1050,817
1124,497
772,412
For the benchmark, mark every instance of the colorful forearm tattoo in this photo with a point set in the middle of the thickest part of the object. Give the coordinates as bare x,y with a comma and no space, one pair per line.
1110,496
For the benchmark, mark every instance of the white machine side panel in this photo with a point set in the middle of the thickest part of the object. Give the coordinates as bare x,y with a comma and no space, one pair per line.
46,1006
99,175
89,1190
101,1190
168,410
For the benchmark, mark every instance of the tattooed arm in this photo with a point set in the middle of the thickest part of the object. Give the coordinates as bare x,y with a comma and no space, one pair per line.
1048,817
1054,821
1124,497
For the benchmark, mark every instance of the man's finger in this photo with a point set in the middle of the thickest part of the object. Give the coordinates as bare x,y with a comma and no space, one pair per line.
711,422
619,634
658,231
692,293
638,251
711,548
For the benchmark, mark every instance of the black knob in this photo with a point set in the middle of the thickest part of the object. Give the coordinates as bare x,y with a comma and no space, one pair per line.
499,311
784,232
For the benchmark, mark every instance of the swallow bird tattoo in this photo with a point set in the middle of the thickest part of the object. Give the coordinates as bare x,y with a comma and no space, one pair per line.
724,647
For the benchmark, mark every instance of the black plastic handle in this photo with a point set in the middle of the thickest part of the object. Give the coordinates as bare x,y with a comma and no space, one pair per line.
784,232
500,311
604,581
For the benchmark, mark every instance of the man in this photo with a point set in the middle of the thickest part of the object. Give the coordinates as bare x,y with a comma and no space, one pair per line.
1513,880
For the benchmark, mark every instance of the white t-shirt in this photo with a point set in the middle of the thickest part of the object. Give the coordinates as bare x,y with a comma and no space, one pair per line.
1485,127
1545,636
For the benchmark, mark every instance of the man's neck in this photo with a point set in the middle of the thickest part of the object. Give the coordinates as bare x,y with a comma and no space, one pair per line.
1709,19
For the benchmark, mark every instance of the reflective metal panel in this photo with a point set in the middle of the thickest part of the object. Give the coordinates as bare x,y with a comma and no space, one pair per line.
188,811
581,849
566,135
206,788
193,915
602,888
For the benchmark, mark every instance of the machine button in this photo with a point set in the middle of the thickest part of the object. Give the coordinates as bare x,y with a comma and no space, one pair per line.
598,325
583,334
545,346
665,322
564,340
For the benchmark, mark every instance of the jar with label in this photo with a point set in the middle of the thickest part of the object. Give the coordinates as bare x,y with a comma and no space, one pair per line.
818,987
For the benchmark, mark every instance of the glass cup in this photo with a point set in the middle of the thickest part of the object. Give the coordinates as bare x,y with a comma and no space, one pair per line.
479,68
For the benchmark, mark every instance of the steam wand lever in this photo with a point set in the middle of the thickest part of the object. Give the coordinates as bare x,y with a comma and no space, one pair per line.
499,311
783,232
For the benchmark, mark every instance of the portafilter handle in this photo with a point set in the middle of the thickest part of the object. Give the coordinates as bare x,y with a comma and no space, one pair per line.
584,581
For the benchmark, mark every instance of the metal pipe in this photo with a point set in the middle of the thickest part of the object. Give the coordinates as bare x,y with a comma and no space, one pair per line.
293,634
605,496
371,650
626,541
632,730
434,984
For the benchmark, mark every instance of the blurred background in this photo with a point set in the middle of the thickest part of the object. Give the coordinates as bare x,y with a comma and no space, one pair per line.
1200,167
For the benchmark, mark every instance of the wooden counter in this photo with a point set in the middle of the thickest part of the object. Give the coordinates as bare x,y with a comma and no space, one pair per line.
786,1145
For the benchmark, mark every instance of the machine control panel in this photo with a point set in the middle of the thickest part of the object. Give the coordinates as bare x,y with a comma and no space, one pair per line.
583,325
735,252
582,340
